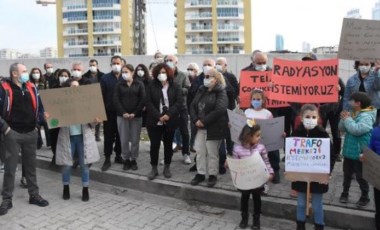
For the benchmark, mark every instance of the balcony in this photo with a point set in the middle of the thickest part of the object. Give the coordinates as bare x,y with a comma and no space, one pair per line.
199,40
198,28
201,52
73,20
102,54
198,3
76,44
229,3
230,16
106,18
233,27
106,30
74,8
230,40
78,55
198,16
74,32
105,43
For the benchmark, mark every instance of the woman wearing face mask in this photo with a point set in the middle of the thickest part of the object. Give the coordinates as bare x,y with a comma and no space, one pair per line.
309,128
142,74
208,112
129,99
163,101
366,80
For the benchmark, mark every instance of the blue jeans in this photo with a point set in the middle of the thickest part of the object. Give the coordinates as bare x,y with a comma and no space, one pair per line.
178,137
317,205
77,148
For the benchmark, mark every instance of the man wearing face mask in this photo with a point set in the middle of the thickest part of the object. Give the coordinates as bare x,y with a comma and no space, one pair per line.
76,74
49,75
93,74
111,135
19,102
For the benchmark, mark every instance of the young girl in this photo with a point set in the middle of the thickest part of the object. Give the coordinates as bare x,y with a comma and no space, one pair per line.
249,144
76,140
310,128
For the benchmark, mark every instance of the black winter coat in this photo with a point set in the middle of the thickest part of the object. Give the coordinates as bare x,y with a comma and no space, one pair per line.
129,99
153,103
215,120
317,132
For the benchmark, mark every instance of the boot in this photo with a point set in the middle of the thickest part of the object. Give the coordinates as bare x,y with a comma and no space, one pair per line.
107,164
276,177
85,195
153,173
301,225
256,221
66,192
318,227
244,220
167,173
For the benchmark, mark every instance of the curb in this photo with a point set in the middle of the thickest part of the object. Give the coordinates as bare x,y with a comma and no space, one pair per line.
337,217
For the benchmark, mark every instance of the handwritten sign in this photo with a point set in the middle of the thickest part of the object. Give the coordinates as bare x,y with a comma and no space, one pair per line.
248,173
305,81
271,130
73,105
359,39
307,155
371,166
250,80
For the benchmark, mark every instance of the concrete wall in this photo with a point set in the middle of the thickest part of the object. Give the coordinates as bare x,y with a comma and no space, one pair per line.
235,62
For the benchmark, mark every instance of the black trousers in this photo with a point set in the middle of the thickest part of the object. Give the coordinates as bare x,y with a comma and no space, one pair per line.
53,139
349,168
184,130
274,159
244,201
97,130
156,134
111,135
333,118
376,193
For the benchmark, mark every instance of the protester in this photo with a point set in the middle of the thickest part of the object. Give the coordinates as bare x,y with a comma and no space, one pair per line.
142,74
49,75
183,136
77,72
111,135
192,72
76,140
208,113
309,128
129,100
357,127
163,103
18,124
249,144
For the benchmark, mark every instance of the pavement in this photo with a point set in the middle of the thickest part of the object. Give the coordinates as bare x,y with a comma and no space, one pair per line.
114,208
278,203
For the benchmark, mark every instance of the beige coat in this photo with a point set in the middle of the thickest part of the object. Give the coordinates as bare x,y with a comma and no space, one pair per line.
63,153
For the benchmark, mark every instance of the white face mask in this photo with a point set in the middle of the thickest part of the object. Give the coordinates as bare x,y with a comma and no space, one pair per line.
206,68
49,70
93,69
261,67
310,123
116,68
62,79
36,76
140,73
162,77
219,68
207,82
364,69
77,74
126,76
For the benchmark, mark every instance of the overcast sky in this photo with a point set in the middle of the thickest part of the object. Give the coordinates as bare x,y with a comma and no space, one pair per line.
29,27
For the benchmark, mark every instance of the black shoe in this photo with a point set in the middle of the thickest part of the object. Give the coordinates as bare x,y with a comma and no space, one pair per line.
256,222
38,200
222,170
244,220
85,194
5,206
23,183
276,177
119,160
107,164
343,197
193,168
98,139
66,192
363,201
166,172
153,173
301,225
134,165
197,179
127,165
211,181
318,227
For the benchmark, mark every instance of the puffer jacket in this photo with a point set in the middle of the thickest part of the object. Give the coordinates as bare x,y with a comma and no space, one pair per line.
358,132
241,152
63,152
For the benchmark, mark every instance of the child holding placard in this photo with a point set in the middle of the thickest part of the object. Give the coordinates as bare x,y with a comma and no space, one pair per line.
310,128
249,144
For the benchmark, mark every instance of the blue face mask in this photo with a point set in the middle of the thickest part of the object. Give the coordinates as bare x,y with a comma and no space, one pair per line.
256,104
170,64
24,78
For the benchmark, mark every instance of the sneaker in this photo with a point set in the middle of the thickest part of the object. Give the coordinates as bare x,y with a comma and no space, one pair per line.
23,183
186,159
5,206
343,197
266,190
119,160
363,201
134,165
211,181
38,200
127,165
197,179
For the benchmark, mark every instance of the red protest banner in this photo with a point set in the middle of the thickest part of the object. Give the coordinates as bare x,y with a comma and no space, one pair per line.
250,80
305,81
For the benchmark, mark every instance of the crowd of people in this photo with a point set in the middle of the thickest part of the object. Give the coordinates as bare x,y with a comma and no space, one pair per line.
188,109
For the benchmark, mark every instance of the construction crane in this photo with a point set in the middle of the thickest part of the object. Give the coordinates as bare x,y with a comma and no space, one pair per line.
47,2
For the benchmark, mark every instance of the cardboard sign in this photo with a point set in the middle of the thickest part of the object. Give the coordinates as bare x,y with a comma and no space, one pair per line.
248,173
73,105
305,81
371,166
307,155
250,80
271,130
359,39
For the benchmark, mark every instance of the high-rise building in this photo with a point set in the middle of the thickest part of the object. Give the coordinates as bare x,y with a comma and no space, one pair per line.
9,54
49,52
306,47
100,27
354,13
376,11
279,42
213,26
